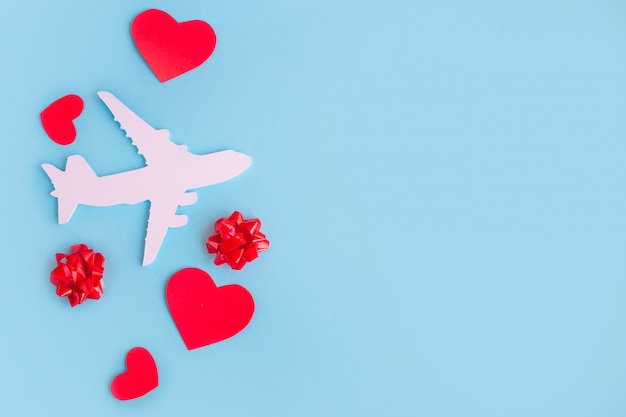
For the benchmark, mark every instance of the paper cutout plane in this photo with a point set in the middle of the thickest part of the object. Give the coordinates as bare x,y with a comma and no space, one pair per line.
170,172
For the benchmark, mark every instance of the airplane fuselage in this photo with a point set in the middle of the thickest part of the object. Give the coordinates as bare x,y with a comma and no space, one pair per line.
167,177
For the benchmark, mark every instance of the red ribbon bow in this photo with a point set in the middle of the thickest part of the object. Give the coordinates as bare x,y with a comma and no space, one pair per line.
78,275
237,241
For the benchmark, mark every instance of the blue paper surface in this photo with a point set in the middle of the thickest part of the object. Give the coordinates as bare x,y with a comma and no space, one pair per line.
443,184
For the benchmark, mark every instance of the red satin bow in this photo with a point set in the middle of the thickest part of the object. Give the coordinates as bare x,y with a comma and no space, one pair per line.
237,241
78,275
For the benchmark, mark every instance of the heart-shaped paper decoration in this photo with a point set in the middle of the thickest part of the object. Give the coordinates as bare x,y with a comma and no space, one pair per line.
140,378
58,118
203,312
171,48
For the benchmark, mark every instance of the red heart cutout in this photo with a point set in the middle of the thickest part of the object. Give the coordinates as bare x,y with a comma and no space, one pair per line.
58,118
203,312
140,378
171,48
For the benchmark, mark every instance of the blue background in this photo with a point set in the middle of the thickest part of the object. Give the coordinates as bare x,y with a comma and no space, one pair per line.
443,184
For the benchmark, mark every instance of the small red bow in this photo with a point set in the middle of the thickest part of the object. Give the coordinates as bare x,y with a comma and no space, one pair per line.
237,241
78,275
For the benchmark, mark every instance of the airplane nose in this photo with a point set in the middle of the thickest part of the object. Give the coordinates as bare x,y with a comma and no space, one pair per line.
244,160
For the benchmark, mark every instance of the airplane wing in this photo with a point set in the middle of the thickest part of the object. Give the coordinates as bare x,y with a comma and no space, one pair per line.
151,143
162,217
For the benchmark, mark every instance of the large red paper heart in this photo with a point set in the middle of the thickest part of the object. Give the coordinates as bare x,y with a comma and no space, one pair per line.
58,118
140,378
171,48
203,312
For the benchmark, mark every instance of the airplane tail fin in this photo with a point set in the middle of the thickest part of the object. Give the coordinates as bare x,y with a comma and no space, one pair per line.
68,184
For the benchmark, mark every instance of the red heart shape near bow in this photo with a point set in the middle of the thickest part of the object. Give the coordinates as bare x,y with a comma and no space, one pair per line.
140,378
58,118
203,312
171,48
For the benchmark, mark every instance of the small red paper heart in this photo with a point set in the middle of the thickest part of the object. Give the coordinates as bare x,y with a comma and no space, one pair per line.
203,312
140,378
171,48
58,118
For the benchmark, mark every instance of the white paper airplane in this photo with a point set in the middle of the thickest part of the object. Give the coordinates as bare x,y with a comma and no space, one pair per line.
169,173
